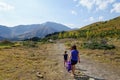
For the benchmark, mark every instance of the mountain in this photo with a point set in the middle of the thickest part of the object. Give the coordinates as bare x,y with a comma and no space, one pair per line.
110,24
33,30
38,30
110,28
56,26
22,29
5,31
2,38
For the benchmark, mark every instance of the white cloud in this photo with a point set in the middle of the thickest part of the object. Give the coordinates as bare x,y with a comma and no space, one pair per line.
93,19
103,4
75,0
98,4
86,3
116,8
74,12
71,25
6,7
100,18
90,19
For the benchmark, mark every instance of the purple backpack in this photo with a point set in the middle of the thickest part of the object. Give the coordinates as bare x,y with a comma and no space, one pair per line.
68,67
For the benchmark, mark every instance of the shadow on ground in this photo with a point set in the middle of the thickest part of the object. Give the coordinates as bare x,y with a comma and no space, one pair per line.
85,77
81,76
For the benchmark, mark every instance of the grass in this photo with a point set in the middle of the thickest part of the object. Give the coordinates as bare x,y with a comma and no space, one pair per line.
105,56
7,44
22,63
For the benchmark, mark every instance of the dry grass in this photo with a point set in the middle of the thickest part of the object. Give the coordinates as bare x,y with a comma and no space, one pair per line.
105,56
22,63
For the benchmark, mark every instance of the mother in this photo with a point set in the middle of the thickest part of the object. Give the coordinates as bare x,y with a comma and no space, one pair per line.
74,58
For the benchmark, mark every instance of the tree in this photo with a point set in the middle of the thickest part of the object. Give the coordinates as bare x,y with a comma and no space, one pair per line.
60,36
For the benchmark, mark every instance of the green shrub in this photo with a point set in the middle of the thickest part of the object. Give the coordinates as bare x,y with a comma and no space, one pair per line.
6,43
97,45
29,43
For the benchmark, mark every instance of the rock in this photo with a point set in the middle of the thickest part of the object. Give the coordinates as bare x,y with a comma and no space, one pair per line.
33,71
38,74
91,79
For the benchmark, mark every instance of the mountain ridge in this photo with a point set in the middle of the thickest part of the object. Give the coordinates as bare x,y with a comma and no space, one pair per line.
102,29
34,30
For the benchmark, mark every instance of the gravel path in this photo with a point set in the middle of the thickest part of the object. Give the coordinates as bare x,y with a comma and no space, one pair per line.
60,48
87,69
98,71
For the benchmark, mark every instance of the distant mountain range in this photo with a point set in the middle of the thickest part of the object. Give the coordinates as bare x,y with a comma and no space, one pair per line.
21,32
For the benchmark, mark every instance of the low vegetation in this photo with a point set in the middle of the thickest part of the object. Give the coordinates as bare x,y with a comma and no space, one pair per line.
98,45
5,44
106,29
25,62
98,50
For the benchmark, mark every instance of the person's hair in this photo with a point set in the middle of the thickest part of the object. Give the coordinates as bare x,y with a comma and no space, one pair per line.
74,47
65,51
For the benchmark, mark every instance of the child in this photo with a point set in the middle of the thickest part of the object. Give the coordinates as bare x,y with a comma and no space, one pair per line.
65,58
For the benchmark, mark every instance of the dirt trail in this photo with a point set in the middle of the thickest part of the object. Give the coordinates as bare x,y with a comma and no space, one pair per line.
87,69
60,48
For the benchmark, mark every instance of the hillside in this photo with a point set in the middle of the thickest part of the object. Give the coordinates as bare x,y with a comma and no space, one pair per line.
21,32
2,38
110,28
5,32
40,32
43,30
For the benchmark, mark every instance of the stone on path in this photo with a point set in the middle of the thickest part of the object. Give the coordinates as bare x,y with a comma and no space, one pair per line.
91,79
38,74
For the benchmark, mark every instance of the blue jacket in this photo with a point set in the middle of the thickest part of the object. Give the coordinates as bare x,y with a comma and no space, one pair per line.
74,55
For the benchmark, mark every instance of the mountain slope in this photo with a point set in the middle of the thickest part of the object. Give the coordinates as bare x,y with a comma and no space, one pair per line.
110,28
56,26
22,29
5,31
2,38
110,24
41,32
34,30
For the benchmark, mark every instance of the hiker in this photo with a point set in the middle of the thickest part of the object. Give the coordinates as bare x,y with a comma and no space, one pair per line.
65,58
74,58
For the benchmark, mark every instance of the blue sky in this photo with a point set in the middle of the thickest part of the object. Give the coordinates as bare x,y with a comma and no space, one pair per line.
73,13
